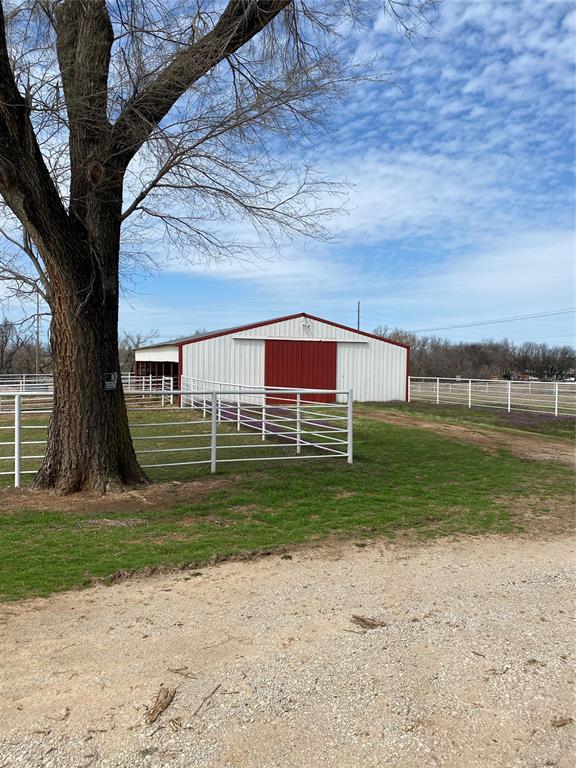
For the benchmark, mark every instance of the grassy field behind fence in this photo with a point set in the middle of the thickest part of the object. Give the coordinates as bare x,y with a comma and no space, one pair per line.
402,479
540,423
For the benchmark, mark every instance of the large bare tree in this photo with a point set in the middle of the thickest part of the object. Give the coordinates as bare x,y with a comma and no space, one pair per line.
126,121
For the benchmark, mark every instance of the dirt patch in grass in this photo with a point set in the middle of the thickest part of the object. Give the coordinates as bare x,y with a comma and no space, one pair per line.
106,522
523,445
167,538
541,517
246,509
154,496
342,493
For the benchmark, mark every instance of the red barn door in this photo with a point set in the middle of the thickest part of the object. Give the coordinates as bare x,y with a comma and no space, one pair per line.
301,364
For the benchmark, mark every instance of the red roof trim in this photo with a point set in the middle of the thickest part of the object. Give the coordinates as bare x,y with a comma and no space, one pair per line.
355,330
228,331
261,324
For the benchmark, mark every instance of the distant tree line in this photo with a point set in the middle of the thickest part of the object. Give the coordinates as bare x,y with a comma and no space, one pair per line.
433,356
18,349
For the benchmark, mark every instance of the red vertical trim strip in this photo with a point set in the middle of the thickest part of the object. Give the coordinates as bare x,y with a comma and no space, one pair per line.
407,372
180,372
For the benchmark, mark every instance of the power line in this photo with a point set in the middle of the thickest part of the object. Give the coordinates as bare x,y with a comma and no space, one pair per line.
502,320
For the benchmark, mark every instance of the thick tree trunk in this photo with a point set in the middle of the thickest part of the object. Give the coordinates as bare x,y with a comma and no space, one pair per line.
89,445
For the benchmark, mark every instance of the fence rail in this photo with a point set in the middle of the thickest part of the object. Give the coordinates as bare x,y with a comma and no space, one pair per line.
552,397
44,382
182,428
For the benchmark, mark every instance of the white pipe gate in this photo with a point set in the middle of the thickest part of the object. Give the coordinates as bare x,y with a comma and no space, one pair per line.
211,426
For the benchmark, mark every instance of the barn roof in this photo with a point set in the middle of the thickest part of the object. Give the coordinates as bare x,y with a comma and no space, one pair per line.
236,329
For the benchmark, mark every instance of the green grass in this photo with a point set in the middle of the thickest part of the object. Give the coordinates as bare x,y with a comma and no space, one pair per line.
403,479
541,423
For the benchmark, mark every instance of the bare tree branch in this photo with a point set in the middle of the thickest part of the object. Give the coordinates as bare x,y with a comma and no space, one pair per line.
240,22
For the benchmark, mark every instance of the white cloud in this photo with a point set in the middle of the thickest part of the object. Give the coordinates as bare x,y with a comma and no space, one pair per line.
297,270
524,273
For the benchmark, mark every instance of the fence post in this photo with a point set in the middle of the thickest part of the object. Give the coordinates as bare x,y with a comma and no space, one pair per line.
238,413
298,429
437,391
556,399
213,432
409,387
264,417
350,418
509,396
17,440
469,393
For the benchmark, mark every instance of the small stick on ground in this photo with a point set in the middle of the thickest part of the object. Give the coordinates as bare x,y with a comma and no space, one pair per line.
205,699
163,701
63,648
182,671
560,722
367,622
175,724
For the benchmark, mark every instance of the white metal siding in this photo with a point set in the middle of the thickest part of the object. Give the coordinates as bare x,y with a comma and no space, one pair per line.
226,360
374,369
157,354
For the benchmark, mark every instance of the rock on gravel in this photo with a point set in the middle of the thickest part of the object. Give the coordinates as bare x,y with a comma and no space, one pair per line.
474,666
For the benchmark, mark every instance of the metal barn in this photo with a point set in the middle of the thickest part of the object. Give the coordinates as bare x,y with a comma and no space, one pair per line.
299,351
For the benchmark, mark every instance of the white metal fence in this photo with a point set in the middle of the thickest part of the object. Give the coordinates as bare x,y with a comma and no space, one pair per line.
552,397
26,382
176,429
44,382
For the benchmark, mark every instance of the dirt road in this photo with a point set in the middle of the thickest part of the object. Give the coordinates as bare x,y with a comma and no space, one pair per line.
474,665
526,445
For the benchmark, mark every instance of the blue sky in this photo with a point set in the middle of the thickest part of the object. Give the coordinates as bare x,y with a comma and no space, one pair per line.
461,199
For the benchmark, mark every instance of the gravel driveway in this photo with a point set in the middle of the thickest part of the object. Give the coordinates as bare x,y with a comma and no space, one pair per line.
474,666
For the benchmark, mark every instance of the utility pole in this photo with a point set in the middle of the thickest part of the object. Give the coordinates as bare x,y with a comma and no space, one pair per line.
37,331
358,315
